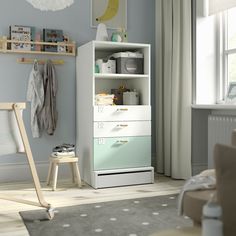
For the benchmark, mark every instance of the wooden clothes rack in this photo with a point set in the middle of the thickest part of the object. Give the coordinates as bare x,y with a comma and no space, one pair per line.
16,107
24,60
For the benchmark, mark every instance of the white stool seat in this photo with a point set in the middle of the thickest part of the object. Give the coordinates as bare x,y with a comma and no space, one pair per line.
53,169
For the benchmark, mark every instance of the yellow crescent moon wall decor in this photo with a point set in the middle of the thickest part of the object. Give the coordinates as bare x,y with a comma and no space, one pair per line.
110,12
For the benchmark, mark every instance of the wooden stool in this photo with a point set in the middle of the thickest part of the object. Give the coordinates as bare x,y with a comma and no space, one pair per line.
53,169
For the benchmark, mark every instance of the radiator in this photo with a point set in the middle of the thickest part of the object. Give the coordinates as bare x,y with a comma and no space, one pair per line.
219,131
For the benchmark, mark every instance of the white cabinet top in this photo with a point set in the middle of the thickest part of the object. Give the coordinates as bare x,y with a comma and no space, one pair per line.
103,45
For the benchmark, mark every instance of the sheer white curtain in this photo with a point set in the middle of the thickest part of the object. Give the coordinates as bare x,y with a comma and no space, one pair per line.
173,91
215,6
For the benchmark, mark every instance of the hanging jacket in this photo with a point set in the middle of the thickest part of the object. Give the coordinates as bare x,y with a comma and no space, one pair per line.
35,95
48,117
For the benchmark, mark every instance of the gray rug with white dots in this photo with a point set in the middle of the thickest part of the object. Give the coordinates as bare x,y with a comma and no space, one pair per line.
133,217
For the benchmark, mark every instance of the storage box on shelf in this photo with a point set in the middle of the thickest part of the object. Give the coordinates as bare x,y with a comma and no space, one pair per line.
113,141
5,47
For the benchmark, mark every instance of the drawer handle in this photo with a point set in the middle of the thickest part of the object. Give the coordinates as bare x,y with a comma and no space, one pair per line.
122,141
122,109
122,126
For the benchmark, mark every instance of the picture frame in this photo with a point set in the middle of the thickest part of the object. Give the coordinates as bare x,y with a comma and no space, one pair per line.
231,94
112,13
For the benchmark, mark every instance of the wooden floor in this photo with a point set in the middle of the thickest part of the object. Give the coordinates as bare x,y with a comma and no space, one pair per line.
68,195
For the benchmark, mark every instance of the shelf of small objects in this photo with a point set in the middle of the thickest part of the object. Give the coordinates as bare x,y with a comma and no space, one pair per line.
5,47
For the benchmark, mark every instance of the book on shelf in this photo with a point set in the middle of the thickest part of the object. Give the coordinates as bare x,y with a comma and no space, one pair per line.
63,48
32,37
20,33
35,37
52,36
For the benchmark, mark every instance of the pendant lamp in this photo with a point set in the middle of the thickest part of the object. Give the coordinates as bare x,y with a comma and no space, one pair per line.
50,5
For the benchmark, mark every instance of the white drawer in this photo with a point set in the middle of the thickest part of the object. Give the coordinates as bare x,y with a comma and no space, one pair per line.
121,113
124,128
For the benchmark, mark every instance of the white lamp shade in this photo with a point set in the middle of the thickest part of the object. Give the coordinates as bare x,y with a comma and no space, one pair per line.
50,5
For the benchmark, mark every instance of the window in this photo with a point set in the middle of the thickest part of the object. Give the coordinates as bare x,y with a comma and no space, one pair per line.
215,50
229,50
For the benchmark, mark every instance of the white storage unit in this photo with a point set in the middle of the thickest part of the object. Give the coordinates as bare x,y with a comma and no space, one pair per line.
113,142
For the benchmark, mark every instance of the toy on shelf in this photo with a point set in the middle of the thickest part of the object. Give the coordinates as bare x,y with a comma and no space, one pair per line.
119,36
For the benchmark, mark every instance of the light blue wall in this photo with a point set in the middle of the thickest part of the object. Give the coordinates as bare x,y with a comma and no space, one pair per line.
74,21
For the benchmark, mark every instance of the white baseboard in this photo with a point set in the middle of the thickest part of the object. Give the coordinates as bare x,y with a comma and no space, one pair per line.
17,172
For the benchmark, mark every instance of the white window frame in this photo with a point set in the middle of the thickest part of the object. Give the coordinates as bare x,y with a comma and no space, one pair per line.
222,57
220,60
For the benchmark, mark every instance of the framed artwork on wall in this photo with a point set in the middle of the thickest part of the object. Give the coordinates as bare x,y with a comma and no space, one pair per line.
112,13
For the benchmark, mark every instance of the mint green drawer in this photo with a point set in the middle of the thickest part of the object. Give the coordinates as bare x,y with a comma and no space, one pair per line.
122,152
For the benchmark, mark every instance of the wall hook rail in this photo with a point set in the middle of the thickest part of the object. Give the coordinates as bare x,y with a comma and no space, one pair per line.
24,60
